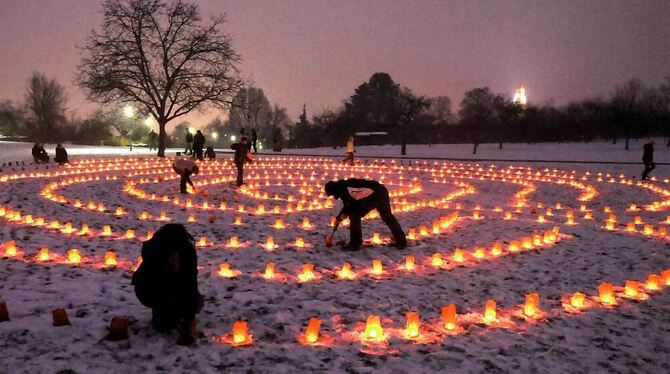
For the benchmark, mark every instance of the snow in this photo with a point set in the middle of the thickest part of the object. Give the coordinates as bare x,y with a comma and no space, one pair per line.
631,336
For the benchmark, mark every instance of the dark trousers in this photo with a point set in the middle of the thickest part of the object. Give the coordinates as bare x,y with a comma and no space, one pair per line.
169,304
380,201
349,158
185,178
648,167
253,144
240,173
197,153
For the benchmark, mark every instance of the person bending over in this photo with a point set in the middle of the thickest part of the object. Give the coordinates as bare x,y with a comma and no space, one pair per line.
359,197
185,168
166,281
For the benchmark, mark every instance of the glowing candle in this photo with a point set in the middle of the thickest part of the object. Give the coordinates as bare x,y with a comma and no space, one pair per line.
163,216
376,238
261,209
609,225
106,230
312,331
637,220
234,242
202,242
10,249
110,259
73,256
479,253
269,271
606,293
490,311
459,255
377,268
43,254
665,275
514,246
540,218
527,242
373,329
240,332
496,250
238,220
436,260
119,211
531,304
279,224
305,223
191,218
631,288
449,316
270,243
577,300
412,233
423,230
225,271
412,325
307,273
409,263
508,215
150,234
130,234
144,215
345,272
653,282
648,230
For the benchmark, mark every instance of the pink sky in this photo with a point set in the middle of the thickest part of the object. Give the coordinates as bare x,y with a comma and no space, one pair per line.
316,52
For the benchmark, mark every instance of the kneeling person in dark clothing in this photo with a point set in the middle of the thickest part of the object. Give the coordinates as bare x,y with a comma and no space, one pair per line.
166,281
185,168
210,154
359,197
61,155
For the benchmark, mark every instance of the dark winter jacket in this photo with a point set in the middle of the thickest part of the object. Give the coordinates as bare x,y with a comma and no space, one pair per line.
61,155
241,151
355,194
199,141
167,277
648,155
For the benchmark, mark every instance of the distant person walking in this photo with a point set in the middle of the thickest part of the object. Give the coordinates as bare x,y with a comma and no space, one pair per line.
242,156
198,145
153,140
61,155
189,143
350,151
185,168
648,159
254,139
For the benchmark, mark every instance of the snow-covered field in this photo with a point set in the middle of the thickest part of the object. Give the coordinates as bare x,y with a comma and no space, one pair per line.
465,208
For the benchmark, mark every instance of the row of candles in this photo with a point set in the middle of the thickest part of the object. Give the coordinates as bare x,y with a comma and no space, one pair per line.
376,332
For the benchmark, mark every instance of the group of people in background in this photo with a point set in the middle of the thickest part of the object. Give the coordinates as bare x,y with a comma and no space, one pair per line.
40,155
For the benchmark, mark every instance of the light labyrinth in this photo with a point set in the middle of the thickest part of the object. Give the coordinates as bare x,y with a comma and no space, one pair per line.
282,213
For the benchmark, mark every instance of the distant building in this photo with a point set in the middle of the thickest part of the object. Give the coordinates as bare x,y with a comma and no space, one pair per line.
520,96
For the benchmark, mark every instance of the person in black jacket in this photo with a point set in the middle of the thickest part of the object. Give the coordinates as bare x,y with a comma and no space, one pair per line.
254,139
185,168
189,143
39,153
210,154
61,155
241,157
648,159
359,197
166,281
198,145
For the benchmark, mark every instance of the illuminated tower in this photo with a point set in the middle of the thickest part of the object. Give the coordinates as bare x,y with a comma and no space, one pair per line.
520,96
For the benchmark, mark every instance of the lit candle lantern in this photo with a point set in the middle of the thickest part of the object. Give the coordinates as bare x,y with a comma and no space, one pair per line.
345,272
412,233
376,239
299,242
458,256
225,270
163,216
637,220
110,259
150,234
202,242
120,211
270,243
540,218
606,293
665,276
479,253
527,242
409,263
653,282
648,230
144,215
490,311
496,250
423,230
631,288
377,268
373,329
577,300
73,256
630,227
609,225
240,332
436,260
234,242
279,224
306,224
508,215
269,272
412,325
130,234
307,273
10,249
238,220
106,230
514,246
531,304
312,331
448,315
43,254
261,209
191,218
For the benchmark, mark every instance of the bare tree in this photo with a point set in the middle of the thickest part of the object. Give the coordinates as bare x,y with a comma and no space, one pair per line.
409,106
45,104
251,109
161,57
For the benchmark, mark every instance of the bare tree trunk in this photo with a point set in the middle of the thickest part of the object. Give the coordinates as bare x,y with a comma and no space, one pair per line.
403,145
162,135
474,149
500,145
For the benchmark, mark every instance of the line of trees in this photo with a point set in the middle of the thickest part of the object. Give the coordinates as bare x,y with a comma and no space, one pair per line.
632,110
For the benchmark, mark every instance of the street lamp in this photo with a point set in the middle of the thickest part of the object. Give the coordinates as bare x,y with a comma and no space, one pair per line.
233,138
215,135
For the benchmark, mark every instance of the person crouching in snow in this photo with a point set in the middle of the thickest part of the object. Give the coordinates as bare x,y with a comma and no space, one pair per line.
359,197
242,156
166,281
185,168
61,155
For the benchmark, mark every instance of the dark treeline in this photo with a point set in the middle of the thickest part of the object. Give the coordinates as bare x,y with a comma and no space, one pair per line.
631,110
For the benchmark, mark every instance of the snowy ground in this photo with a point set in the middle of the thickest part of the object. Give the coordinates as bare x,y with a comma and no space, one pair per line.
632,336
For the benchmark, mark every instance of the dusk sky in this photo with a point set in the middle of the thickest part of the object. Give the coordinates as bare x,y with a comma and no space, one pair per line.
317,52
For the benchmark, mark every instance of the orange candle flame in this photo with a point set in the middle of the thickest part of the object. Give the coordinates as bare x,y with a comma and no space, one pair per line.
312,332
373,329
413,324
240,332
449,316
73,256
606,293
269,271
490,311
531,304
307,273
